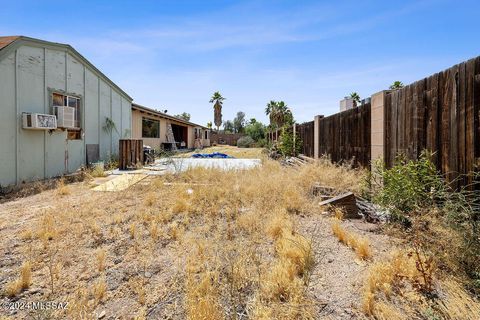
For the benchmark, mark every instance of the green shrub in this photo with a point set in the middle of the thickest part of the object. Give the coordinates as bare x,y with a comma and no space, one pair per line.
256,130
286,145
408,185
414,191
245,142
262,143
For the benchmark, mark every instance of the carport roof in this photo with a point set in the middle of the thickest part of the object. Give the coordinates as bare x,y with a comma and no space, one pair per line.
164,115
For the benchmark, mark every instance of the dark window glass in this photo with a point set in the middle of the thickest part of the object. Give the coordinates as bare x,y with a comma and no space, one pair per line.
150,128
58,99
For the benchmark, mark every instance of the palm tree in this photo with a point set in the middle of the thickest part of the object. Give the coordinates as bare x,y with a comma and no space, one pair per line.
396,85
279,113
209,124
355,97
217,101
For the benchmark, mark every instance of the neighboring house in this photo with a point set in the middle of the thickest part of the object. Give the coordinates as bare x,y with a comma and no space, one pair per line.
153,128
46,78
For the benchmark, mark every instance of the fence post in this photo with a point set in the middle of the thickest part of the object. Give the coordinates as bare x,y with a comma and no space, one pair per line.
294,138
316,136
377,127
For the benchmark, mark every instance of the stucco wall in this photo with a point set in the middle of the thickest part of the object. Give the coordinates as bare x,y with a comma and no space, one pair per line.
156,142
27,76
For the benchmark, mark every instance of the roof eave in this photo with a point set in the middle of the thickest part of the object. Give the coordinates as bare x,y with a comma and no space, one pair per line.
164,115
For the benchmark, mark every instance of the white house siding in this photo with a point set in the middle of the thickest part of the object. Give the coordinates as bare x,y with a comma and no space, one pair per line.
28,74
8,120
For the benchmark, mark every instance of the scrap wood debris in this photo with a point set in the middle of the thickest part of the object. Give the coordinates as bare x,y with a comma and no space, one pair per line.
301,160
352,205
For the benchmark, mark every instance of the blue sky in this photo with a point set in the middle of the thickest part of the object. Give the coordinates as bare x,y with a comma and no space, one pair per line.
174,54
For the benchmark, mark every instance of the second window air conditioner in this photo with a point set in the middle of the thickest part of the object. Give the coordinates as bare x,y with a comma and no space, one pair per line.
65,116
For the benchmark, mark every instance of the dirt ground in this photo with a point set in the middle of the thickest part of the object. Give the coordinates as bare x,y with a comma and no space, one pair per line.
102,252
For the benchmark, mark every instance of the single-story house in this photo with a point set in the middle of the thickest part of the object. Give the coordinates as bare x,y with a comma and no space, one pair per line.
57,111
161,131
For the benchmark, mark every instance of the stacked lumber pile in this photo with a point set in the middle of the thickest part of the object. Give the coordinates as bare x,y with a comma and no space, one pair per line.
300,160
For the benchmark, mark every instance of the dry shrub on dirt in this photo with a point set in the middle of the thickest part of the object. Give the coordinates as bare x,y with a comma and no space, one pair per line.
99,289
22,282
101,257
404,287
360,244
458,304
62,188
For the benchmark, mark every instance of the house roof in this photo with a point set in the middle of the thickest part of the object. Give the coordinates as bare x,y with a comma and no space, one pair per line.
164,115
5,41
9,43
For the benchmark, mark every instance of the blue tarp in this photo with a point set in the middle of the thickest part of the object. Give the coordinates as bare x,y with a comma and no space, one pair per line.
211,155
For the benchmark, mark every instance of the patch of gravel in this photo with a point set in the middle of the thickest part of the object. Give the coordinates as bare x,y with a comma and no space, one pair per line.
337,280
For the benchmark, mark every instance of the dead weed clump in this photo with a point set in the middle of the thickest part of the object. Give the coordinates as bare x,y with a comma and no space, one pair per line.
407,275
22,283
360,244
62,188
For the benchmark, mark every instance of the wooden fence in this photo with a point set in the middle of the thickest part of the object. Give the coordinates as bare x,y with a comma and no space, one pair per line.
305,134
130,154
439,113
225,138
346,136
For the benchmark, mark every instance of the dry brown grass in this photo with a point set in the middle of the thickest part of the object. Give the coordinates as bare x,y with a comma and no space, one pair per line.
62,188
99,289
26,275
217,243
458,304
394,289
101,256
360,244
23,282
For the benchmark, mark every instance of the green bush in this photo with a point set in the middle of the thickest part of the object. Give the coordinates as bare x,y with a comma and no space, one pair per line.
255,130
245,142
286,146
414,191
262,143
408,185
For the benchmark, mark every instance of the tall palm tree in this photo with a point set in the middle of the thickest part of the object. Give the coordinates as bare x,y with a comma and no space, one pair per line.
279,113
217,100
355,97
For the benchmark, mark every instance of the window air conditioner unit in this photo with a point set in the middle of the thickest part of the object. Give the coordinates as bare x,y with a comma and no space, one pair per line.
37,121
65,116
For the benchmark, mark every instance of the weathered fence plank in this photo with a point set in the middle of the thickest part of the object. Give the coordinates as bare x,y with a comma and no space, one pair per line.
346,136
305,135
440,114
